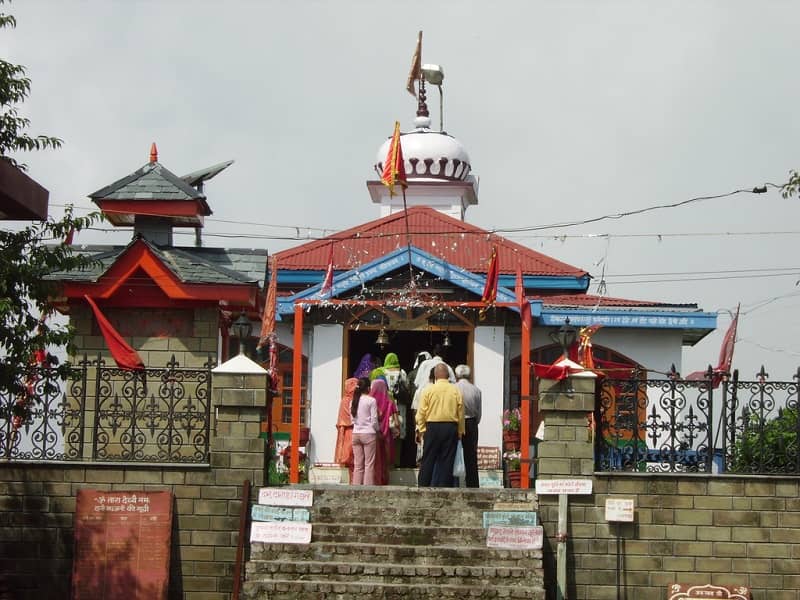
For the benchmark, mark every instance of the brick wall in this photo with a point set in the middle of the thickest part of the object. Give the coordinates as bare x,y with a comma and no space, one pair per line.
37,505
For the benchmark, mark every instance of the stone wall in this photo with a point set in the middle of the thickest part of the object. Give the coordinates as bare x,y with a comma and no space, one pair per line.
687,529
37,504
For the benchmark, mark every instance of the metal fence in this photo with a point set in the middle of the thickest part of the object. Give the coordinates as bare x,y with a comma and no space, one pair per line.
159,415
711,426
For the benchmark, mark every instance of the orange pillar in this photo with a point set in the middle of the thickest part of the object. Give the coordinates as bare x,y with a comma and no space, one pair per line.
297,383
525,402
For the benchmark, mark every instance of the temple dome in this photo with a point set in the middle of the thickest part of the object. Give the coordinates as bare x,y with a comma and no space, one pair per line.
429,155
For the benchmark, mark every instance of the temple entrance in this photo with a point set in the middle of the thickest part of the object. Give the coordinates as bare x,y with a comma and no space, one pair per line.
407,344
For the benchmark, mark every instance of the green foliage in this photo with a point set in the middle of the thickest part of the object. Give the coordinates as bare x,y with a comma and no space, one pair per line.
791,188
768,446
14,88
26,258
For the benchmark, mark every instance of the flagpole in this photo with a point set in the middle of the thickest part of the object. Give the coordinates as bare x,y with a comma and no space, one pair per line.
412,284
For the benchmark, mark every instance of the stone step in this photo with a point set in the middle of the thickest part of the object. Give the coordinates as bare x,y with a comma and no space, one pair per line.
408,535
404,554
394,573
291,589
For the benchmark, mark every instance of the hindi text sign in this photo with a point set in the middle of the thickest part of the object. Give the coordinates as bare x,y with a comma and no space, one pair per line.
563,486
514,538
277,496
683,591
619,509
281,532
122,538
260,512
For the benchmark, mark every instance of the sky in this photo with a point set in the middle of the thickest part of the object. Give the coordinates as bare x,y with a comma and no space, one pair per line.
569,110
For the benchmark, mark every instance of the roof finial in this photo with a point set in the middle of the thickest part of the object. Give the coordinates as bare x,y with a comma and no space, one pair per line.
153,153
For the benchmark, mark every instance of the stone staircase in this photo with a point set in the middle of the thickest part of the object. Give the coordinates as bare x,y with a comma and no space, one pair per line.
397,542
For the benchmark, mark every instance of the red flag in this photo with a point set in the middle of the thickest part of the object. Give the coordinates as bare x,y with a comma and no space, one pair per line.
725,356
125,356
524,305
394,169
728,342
69,237
416,66
327,283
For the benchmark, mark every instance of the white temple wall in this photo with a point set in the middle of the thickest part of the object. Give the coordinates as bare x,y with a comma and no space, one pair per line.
325,391
488,366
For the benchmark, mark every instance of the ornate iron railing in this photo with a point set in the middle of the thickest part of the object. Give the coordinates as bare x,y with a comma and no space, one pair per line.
678,425
159,415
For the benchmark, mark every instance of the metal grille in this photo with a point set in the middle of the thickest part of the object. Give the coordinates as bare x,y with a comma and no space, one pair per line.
677,425
160,415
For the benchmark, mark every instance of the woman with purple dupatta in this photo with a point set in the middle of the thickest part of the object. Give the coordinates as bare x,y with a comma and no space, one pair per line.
384,456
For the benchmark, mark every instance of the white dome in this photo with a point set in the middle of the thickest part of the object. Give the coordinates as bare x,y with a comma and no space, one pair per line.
430,156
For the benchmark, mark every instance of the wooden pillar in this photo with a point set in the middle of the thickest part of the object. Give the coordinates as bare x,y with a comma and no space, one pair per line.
297,383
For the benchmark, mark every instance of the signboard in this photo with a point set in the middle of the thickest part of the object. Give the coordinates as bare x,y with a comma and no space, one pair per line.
286,532
514,538
509,518
277,496
619,509
278,513
488,457
490,479
563,486
683,591
328,475
122,537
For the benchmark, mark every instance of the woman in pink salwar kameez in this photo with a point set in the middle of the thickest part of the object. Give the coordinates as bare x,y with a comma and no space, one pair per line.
385,452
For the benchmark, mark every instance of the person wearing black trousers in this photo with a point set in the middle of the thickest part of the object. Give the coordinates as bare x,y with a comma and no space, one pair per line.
471,396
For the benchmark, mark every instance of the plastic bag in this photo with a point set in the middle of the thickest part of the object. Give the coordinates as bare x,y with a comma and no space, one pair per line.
459,470
395,426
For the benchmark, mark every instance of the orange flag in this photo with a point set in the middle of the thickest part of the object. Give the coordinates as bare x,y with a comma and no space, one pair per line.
524,305
585,356
394,169
416,67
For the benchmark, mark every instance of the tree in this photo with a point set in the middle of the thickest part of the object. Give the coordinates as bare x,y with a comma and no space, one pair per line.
27,256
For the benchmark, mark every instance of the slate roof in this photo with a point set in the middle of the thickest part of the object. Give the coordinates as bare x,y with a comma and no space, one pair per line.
153,181
190,264
459,243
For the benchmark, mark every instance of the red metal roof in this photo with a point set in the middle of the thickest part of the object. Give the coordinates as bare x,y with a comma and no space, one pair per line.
581,300
450,239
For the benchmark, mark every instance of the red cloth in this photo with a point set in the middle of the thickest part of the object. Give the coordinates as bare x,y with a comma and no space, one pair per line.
125,356
394,168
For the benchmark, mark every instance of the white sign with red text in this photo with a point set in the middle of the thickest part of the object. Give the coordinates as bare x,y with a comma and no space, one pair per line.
280,532
515,538
284,496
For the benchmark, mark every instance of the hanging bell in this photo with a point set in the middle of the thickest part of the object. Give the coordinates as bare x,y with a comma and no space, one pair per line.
446,341
383,338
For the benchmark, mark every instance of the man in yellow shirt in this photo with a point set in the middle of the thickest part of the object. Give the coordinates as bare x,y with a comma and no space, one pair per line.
440,421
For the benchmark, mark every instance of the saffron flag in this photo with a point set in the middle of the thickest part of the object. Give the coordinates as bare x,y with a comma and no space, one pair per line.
416,67
125,356
585,356
327,283
524,305
725,356
394,169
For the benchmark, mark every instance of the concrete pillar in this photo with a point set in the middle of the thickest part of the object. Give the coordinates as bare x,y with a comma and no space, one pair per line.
567,407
